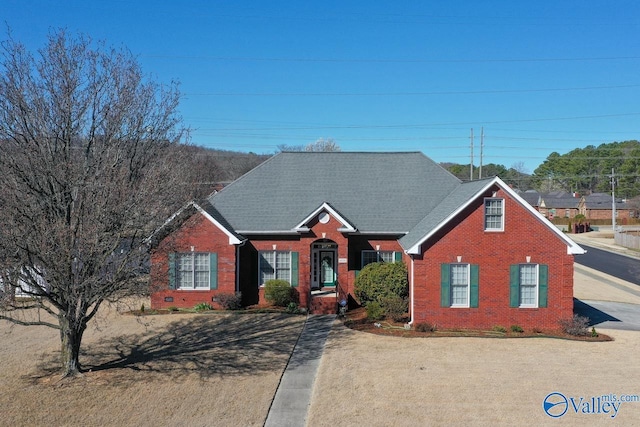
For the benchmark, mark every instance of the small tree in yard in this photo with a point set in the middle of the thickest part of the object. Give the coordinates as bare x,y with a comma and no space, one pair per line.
87,145
385,284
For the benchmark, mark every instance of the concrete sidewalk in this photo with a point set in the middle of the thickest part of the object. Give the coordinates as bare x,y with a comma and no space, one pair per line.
293,397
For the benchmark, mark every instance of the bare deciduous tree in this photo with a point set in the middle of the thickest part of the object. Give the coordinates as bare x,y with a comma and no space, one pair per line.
87,145
319,144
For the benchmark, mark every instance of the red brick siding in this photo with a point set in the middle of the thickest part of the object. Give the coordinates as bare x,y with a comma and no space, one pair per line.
201,234
349,249
494,252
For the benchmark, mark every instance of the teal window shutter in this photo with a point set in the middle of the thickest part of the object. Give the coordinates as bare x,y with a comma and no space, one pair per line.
213,271
294,269
397,256
172,270
543,281
514,286
473,291
357,273
445,285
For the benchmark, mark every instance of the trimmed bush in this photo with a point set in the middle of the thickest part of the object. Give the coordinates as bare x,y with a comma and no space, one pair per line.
517,328
278,292
230,301
374,311
395,307
380,280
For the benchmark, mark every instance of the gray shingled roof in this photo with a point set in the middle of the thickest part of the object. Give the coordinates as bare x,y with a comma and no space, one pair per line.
455,200
376,192
562,203
602,201
531,196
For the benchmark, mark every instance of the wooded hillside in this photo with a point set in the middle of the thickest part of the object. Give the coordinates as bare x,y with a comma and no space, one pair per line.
588,170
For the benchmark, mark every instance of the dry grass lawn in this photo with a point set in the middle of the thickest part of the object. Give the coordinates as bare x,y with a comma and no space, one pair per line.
171,370
374,380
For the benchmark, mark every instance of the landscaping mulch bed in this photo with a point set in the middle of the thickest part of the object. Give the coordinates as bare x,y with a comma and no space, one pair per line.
356,319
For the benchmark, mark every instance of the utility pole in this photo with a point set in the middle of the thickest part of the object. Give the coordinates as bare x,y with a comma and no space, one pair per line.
481,150
471,163
613,200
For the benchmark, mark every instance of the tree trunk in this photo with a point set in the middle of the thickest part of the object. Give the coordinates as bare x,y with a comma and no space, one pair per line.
70,337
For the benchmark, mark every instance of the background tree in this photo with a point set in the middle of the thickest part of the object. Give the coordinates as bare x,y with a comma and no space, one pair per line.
320,144
588,170
88,148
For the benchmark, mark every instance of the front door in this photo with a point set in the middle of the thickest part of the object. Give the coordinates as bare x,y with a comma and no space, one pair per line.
323,264
328,277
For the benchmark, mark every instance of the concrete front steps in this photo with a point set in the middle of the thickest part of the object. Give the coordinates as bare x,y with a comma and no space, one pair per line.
323,302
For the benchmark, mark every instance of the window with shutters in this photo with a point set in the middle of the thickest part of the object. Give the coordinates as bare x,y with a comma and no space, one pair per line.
529,285
192,271
459,285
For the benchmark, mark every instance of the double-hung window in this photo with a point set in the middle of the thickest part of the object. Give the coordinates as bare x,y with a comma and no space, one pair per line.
529,285
459,285
193,270
493,214
369,257
275,265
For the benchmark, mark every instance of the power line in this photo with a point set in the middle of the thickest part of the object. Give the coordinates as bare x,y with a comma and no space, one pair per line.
386,60
431,93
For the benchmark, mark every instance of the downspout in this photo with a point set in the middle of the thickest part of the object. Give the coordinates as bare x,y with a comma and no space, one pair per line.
238,264
411,292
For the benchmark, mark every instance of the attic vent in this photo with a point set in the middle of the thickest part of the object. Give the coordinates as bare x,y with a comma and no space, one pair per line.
323,217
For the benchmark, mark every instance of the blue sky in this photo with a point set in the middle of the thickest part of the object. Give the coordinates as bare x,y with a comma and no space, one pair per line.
538,76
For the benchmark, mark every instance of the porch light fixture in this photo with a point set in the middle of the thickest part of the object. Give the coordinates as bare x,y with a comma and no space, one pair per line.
192,248
459,258
377,247
274,247
324,235
528,259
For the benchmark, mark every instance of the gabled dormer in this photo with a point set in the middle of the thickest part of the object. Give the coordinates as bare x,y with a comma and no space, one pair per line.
323,215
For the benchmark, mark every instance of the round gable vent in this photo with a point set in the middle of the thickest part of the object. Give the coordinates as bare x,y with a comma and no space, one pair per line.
323,217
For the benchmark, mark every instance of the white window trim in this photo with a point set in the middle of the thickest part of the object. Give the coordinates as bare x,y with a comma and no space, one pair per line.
467,305
275,266
502,216
178,272
377,252
537,287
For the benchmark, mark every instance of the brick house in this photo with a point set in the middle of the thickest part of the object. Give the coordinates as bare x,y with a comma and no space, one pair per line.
599,206
477,254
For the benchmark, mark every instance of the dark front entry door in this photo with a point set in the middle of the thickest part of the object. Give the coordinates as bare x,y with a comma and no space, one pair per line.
327,268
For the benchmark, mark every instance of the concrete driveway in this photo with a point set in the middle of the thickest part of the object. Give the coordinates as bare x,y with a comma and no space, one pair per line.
609,314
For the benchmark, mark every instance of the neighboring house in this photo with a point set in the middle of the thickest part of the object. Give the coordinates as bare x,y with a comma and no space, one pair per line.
532,197
560,205
600,206
477,254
